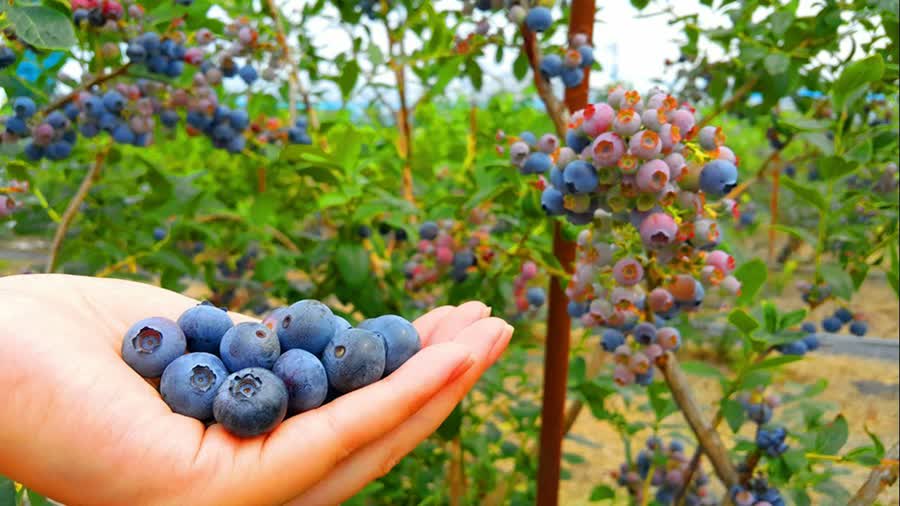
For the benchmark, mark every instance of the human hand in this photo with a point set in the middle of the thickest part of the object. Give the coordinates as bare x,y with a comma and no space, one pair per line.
80,426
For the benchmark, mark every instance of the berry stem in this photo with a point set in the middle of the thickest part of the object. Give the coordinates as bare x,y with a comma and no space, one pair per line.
86,86
730,103
72,209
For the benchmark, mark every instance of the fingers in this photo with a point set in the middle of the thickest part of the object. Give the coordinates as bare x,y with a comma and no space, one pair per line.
461,317
428,322
489,337
329,434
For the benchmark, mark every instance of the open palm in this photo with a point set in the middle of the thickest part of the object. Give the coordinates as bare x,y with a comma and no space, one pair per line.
78,425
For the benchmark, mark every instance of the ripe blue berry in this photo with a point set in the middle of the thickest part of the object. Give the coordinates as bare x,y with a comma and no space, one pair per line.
304,376
341,324
859,328
552,201
528,138
429,231
808,327
169,118
535,296
190,383
34,152
251,402
843,314
572,77
24,107
538,19
587,55
537,163
831,324
113,101
580,177
353,359
611,340
811,342
401,339
16,125
797,347
248,74
136,52
123,134
551,66
58,150
577,141
718,178
249,344
645,333
151,344
308,325
7,57
203,326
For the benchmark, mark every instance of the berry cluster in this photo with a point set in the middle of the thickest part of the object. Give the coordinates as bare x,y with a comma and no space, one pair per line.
814,295
841,317
758,406
771,441
756,493
570,66
249,376
527,298
100,13
669,466
530,154
444,248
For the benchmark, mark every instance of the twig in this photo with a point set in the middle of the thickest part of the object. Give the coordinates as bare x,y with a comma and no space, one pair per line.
750,465
56,104
72,209
729,104
741,188
553,105
293,83
881,477
773,212
706,434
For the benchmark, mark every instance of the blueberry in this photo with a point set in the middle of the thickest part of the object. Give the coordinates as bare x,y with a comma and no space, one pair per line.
808,327
157,64
538,19
577,141
16,125
718,177
150,41
113,101
203,326
151,344
189,384
611,339
644,379
7,57
297,135
551,66
33,152
401,339
236,144
71,111
248,74
24,107
645,333
759,413
174,68
580,177
123,134
587,55
528,138
576,309
353,359
136,52
251,402
464,259
676,446
571,78
93,106
831,324
843,314
341,324
169,118
535,296
159,234
859,328
537,163
59,150
308,325
249,344
58,120
304,376
552,201
797,347
239,120
429,230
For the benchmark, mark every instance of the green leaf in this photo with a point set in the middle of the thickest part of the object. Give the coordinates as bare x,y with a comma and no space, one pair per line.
833,436
834,167
810,195
661,400
7,492
352,263
701,369
876,442
781,20
788,320
862,152
743,321
864,455
348,78
776,63
795,460
42,26
801,498
602,492
799,233
733,413
770,317
841,282
37,499
773,362
520,66
854,78
752,276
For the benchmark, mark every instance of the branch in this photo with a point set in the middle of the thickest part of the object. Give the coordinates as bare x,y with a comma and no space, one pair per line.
553,105
706,434
86,86
881,477
72,208
730,103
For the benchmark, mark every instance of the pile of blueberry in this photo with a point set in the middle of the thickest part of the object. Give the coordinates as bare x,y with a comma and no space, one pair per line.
97,13
771,441
756,493
449,247
669,466
841,317
570,66
249,376
758,407
807,343
528,297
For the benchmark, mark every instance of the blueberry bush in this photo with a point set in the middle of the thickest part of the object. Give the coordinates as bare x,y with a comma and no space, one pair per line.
472,150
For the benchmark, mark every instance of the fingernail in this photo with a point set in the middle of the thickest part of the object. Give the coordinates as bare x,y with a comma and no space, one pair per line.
486,312
499,345
461,369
